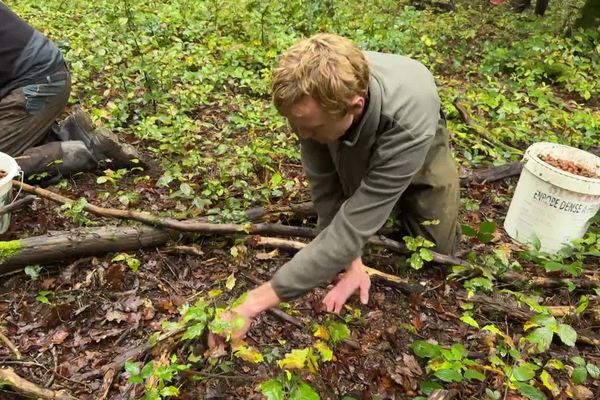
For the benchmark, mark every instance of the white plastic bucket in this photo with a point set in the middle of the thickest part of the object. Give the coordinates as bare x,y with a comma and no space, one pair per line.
551,204
10,167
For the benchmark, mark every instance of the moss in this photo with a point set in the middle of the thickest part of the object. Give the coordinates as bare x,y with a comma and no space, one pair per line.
9,249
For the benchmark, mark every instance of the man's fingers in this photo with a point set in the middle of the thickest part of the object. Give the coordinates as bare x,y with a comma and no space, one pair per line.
338,306
364,292
328,301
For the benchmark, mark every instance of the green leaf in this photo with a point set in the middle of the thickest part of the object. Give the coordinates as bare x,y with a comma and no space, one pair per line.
474,374
33,271
449,375
272,389
583,304
248,353
555,364
296,359
542,338
530,391
467,319
230,283
169,391
523,373
415,261
304,392
579,375
549,383
337,330
427,387
425,349
132,368
147,370
551,266
458,351
194,331
324,350
535,242
567,334
487,227
468,231
425,254
593,370
578,360
544,320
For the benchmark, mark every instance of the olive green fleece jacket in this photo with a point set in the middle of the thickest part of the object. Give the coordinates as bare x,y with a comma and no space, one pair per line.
357,180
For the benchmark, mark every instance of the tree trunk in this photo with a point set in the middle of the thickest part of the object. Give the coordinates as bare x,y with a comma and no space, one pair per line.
590,15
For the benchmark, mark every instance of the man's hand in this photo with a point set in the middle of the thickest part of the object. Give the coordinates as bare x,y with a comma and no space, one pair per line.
260,299
354,279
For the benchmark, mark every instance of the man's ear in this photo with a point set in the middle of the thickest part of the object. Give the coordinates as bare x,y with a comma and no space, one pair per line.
357,105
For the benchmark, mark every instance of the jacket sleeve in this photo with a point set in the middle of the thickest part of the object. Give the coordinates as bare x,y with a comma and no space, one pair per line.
325,187
398,155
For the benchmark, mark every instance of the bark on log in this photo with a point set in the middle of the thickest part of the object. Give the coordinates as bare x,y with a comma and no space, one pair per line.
50,248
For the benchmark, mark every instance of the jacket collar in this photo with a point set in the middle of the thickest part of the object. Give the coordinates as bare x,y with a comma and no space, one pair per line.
370,118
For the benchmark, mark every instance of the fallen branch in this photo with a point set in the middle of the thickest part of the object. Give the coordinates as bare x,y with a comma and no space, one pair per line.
506,306
50,248
21,385
480,130
17,204
10,345
520,280
171,223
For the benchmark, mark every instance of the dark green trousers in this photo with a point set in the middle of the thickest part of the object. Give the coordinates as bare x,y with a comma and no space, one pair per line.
434,195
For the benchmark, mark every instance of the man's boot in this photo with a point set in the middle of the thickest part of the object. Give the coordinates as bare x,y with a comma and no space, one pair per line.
106,147
102,143
56,159
77,126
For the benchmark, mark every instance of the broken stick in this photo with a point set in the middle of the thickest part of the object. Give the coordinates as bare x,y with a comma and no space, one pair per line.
10,345
21,385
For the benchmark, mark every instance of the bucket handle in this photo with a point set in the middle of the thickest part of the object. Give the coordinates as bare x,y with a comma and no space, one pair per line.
22,175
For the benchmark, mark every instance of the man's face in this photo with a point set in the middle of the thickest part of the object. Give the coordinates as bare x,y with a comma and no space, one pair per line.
312,122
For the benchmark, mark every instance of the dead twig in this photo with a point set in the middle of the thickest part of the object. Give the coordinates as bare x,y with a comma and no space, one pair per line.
480,130
133,354
186,250
10,345
507,307
106,382
17,204
28,388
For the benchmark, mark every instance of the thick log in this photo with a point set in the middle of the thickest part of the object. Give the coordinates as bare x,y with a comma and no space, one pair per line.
50,248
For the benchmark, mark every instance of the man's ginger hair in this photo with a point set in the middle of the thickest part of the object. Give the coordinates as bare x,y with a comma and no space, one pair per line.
328,67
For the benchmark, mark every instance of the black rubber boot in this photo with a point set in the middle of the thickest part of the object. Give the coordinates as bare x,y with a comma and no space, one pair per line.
107,147
77,126
56,159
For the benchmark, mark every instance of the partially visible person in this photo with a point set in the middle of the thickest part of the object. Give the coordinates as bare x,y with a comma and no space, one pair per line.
35,84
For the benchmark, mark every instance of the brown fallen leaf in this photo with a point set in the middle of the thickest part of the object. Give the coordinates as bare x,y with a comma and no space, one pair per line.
59,336
117,316
579,392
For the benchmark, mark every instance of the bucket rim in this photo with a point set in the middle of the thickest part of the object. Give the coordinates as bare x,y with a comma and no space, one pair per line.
532,154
